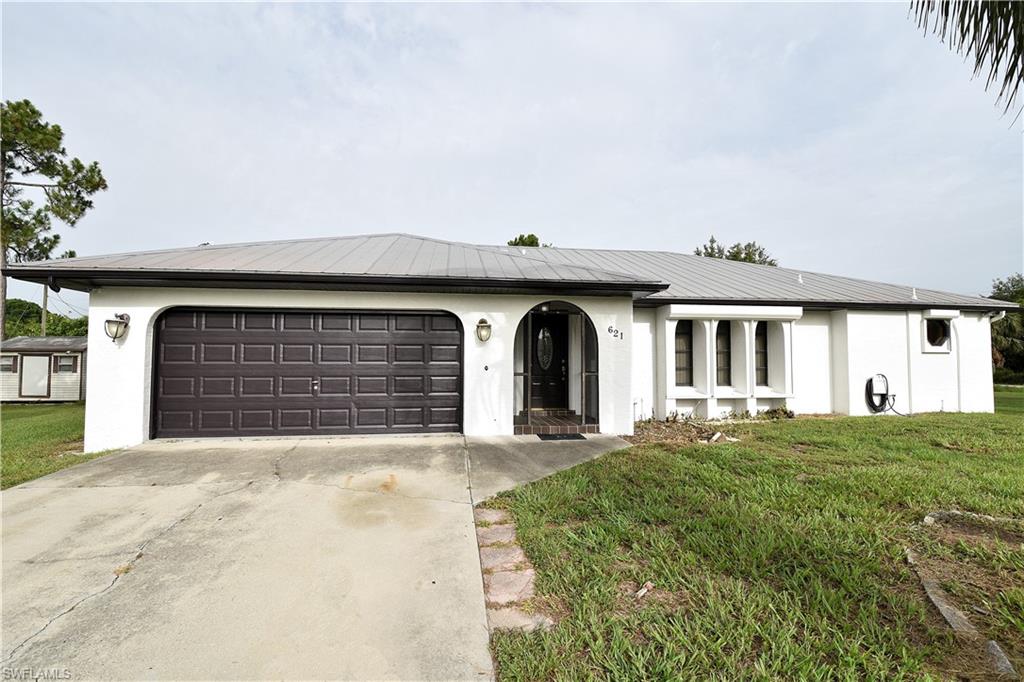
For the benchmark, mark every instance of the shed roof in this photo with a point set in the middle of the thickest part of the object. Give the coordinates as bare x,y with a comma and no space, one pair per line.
44,344
383,261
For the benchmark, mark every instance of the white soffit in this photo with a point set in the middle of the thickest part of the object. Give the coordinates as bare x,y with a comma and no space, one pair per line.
679,311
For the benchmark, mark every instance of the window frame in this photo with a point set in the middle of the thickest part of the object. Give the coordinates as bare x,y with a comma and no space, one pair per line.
13,369
684,356
72,368
946,346
723,353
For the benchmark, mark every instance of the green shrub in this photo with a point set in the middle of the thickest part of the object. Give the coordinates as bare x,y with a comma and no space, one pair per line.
1005,375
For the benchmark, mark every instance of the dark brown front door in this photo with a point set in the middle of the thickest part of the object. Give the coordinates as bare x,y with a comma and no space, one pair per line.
550,362
264,372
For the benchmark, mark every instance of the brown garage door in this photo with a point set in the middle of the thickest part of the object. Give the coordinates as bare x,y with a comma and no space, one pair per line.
254,373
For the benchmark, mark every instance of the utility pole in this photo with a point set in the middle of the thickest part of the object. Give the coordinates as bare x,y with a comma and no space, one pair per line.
46,297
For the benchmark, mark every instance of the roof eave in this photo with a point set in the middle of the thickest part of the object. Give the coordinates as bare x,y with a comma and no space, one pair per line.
86,280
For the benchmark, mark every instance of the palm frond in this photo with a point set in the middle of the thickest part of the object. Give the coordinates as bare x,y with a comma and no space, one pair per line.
990,32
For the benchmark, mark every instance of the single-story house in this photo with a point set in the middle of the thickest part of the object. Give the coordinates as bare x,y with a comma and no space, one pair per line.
42,369
395,333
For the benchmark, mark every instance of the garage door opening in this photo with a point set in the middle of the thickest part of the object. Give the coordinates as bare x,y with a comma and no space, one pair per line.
220,372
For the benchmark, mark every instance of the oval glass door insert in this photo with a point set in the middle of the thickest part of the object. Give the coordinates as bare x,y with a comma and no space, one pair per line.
545,348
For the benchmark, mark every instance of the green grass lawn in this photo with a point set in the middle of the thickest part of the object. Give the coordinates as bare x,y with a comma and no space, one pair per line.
777,557
1010,399
35,440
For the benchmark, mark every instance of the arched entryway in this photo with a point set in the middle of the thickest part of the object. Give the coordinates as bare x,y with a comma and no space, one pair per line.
556,371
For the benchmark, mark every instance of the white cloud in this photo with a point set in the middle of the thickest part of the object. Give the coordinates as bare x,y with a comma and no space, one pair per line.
836,135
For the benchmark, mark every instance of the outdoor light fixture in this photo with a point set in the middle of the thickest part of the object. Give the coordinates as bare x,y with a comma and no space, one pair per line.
116,326
483,330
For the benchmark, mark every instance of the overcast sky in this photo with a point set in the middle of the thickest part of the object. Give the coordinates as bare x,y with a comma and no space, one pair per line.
838,136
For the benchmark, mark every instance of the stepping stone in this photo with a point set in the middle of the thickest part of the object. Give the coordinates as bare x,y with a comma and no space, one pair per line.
999,662
491,515
514,619
492,535
507,587
501,558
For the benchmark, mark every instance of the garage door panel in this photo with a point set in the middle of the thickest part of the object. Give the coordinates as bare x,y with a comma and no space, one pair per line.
335,386
217,419
228,372
217,387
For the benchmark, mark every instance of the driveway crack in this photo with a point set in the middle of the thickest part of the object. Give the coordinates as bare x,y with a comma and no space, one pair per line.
277,461
469,471
121,570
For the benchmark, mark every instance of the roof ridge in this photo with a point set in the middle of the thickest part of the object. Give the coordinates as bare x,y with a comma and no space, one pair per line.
587,268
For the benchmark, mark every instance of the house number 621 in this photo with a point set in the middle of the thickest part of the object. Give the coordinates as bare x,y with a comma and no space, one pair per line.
616,333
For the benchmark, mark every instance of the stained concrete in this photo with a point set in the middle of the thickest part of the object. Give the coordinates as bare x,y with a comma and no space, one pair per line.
315,558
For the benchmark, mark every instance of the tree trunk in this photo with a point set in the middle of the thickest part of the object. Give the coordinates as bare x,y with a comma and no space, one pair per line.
3,293
46,304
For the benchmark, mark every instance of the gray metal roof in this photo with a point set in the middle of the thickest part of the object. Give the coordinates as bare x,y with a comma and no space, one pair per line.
696,278
370,261
377,255
44,344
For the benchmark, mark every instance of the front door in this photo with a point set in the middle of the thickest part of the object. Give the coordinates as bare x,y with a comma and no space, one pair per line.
550,362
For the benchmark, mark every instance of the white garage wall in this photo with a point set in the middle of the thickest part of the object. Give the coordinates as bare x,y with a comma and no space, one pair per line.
876,343
891,343
972,339
119,389
812,364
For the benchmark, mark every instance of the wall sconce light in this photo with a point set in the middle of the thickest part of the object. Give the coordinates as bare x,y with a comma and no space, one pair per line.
483,330
116,326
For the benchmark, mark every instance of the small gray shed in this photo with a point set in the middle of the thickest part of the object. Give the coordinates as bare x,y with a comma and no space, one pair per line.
42,369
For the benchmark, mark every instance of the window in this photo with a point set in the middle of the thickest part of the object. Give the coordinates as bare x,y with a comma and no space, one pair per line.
937,332
9,363
545,348
684,353
65,364
723,353
761,353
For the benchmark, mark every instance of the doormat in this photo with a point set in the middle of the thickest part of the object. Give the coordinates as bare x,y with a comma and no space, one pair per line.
560,436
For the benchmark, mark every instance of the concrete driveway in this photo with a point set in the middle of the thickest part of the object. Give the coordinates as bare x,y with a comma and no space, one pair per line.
346,558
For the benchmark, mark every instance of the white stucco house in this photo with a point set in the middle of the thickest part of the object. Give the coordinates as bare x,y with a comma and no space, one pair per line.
395,333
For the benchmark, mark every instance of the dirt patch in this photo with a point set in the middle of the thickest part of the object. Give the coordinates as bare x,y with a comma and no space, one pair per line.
991,536
71,449
973,588
685,431
628,601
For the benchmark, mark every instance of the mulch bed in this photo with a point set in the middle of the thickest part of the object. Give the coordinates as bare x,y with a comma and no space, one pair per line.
683,431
